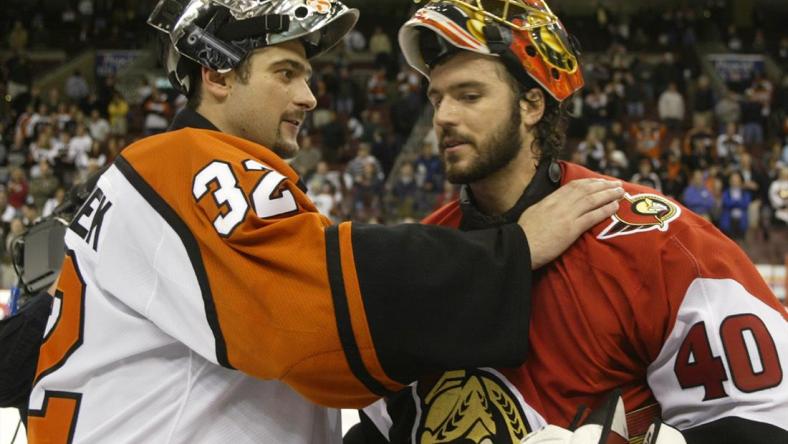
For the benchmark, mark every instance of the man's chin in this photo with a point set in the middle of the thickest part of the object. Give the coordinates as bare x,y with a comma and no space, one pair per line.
286,150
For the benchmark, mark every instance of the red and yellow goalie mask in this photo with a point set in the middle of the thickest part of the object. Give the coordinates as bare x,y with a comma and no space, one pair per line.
524,32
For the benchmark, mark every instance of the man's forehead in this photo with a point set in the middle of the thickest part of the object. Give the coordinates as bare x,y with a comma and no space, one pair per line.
291,50
465,68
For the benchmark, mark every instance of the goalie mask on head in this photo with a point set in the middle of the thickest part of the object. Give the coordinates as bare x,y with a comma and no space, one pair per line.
530,40
220,34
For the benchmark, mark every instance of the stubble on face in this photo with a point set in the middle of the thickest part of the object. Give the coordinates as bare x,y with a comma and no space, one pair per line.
491,155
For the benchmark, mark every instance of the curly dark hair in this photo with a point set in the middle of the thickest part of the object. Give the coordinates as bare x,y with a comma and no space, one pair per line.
550,131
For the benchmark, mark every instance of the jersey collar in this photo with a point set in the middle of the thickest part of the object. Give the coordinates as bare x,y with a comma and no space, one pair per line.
189,118
545,181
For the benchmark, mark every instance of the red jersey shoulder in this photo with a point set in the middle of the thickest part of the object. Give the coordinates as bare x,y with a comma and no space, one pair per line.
642,210
448,215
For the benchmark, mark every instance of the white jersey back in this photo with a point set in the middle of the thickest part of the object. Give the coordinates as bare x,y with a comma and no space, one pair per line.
127,377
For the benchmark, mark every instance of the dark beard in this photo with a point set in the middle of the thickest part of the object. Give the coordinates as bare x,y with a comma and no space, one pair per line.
494,155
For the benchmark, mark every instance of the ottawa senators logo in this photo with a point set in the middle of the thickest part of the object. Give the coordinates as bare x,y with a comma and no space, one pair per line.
472,406
641,213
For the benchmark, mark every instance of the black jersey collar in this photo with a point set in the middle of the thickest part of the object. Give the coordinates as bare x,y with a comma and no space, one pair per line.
189,118
546,180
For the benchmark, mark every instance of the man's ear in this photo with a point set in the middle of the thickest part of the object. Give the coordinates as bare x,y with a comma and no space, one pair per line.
215,84
532,106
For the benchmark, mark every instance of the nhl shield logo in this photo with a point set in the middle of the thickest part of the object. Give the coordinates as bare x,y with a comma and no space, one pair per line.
641,213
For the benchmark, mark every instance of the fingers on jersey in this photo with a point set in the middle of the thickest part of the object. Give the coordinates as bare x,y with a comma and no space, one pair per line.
553,224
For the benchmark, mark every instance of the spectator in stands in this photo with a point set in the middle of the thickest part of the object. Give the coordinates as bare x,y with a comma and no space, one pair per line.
18,188
157,112
735,203
596,107
616,163
325,200
592,151
77,88
81,144
671,107
367,193
697,196
332,138
646,175
38,121
727,110
756,181
429,170
648,137
703,102
16,228
667,72
53,202
406,192
672,171
307,158
727,143
348,93
43,148
118,111
358,165
7,212
379,42
377,87
756,109
778,195
98,126
44,185
633,96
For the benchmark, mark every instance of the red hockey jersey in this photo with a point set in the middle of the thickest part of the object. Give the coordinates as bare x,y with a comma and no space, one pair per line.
654,301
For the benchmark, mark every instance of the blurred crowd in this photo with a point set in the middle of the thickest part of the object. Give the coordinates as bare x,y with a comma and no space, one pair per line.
647,114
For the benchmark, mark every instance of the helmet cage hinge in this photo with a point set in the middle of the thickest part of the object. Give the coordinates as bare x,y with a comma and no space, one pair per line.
224,43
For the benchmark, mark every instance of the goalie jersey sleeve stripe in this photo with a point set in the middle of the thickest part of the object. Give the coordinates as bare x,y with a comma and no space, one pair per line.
192,248
344,324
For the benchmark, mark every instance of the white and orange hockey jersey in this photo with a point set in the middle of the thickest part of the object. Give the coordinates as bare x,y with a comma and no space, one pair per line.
204,299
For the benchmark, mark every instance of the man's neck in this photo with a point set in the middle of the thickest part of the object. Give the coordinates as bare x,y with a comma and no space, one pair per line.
497,193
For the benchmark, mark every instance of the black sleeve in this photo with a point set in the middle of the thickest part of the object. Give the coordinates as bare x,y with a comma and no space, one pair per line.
20,340
438,299
733,430
364,432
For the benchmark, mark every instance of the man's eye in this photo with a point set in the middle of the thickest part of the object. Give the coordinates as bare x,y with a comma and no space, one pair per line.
287,74
470,97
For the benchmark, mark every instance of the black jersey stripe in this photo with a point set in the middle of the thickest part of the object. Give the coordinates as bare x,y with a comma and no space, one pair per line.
192,249
342,314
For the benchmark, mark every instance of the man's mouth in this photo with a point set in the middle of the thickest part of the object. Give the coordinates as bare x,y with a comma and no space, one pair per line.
449,143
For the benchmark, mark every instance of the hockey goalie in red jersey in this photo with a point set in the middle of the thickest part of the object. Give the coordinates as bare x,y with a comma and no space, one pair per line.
654,301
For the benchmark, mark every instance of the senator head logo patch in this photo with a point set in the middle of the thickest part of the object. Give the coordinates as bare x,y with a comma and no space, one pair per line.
641,213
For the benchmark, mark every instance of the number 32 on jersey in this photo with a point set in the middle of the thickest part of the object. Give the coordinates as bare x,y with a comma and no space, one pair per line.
269,198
